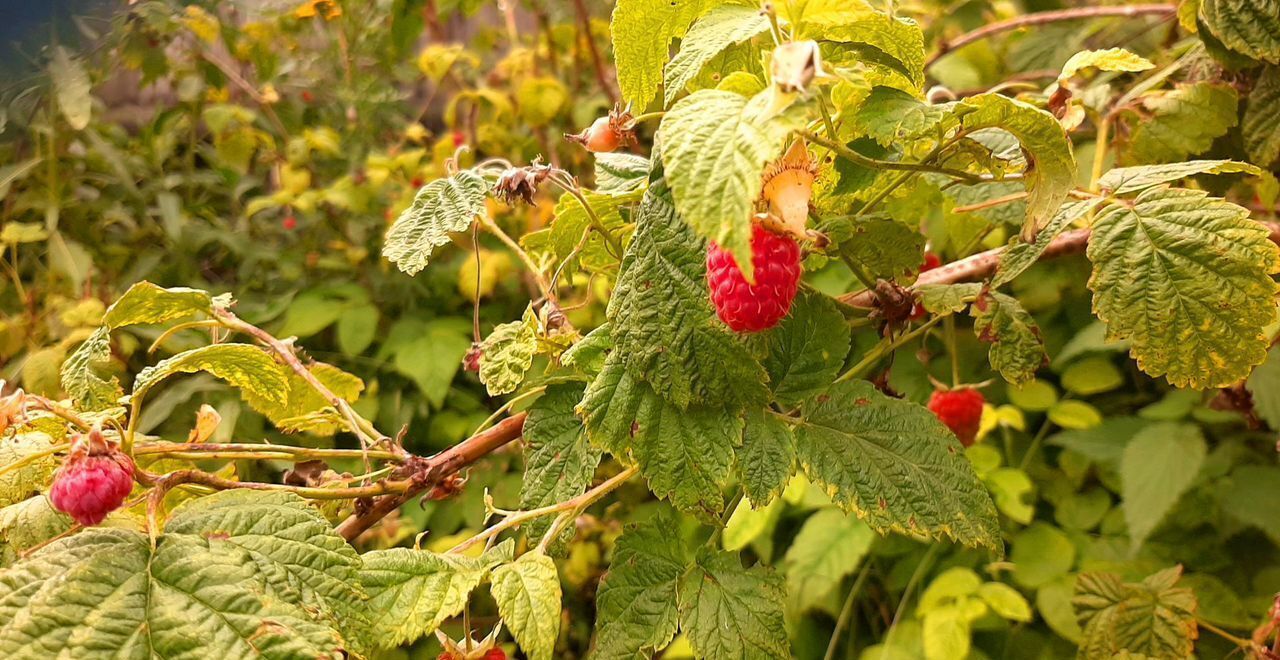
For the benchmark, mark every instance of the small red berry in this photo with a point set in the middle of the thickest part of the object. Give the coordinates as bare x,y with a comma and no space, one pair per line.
751,308
416,182
307,96
459,139
93,481
495,654
290,222
931,261
961,410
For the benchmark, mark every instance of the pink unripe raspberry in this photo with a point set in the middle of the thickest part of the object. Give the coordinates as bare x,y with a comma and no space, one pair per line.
754,307
93,481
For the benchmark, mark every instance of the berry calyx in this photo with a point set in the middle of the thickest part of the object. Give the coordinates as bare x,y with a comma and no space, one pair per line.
754,307
93,481
961,410
607,133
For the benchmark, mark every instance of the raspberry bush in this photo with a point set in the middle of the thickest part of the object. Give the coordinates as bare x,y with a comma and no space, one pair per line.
842,329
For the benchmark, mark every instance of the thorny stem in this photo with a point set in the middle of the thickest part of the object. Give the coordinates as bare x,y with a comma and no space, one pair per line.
949,330
519,517
256,451
1238,641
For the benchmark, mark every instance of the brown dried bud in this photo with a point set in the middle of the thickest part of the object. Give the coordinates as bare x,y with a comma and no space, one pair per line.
471,361
518,184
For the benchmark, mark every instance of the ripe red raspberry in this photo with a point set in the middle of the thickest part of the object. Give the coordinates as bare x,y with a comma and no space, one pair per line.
290,223
495,654
752,308
93,481
961,410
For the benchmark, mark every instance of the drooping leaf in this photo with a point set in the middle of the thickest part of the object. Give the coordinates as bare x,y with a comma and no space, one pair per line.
1249,27
642,31
686,455
731,612
295,550
302,400
80,377
830,546
146,303
1152,618
243,365
1181,122
559,461
1020,255
661,321
1051,172
893,464
1128,180
1017,350
807,349
636,605
715,146
508,354
528,595
411,592
1259,127
19,483
71,88
1157,467
440,207
767,457
1184,277
719,28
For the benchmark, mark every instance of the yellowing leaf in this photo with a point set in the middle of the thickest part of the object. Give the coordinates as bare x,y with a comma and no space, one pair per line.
642,31
248,367
440,207
71,88
507,353
146,303
1111,59
528,595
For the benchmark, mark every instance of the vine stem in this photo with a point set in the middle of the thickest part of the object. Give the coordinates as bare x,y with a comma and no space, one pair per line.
519,517
846,612
538,278
885,347
1042,18
923,567
866,161
255,451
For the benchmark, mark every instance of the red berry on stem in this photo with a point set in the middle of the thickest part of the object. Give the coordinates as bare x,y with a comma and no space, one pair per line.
290,223
495,654
754,307
93,481
961,410
931,261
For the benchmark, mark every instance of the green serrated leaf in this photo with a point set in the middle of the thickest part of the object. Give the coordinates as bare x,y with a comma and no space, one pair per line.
662,325
1264,385
108,592
875,36
302,401
28,523
1181,122
686,455
731,612
243,365
1051,171
1110,59
589,353
895,465
508,353
19,483
146,303
440,207
1185,278
294,548
891,116
559,461
71,87
829,547
1152,618
1017,350
1250,27
1127,180
1157,467
715,147
411,592
79,375
642,31
1020,255
620,172
805,351
528,595
767,457
885,248
1259,128
571,220
718,29
947,298
636,606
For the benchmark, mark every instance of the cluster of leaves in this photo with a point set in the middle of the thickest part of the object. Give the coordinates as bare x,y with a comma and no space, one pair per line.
799,500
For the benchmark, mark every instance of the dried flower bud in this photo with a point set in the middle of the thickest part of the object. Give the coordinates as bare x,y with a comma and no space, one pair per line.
471,361
10,409
518,184
795,65
787,186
